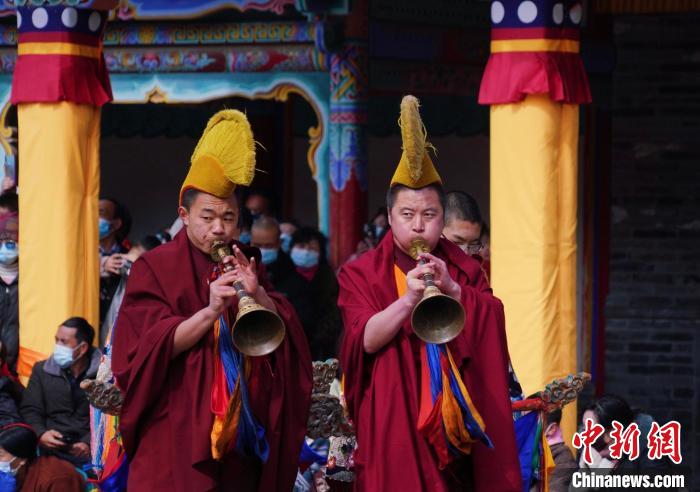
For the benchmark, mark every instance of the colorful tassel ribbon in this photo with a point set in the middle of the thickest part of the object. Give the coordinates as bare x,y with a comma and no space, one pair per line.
234,422
447,418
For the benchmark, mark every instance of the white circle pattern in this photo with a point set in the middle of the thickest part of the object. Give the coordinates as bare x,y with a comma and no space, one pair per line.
576,13
40,18
527,12
558,13
498,12
94,21
69,17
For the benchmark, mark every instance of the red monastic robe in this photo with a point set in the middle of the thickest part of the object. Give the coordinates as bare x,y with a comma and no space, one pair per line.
167,419
383,389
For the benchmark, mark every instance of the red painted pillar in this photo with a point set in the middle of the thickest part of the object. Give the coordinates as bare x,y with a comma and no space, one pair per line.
348,136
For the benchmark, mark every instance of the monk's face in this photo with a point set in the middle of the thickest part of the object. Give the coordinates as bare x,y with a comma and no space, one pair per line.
465,234
416,213
210,219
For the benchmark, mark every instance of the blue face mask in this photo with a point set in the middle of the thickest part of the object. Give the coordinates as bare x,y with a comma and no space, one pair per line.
269,255
8,482
244,237
304,258
105,227
6,467
63,356
286,242
8,252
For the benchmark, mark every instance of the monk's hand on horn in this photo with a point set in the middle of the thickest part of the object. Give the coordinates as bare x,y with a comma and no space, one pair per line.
228,262
441,276
415,284
222,292
246,271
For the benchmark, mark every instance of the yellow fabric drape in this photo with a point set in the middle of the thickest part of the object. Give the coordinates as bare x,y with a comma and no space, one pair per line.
533,242
58,237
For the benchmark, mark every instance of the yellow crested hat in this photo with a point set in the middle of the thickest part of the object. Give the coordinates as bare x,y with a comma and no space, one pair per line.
415,169
224,156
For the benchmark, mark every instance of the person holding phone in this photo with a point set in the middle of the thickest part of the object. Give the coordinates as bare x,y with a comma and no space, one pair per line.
53,403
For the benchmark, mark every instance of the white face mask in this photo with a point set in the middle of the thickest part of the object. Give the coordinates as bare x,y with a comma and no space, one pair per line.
6,467
9,252
63,356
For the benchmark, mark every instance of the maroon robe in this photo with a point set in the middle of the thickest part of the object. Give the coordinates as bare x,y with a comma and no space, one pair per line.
383,389
166,419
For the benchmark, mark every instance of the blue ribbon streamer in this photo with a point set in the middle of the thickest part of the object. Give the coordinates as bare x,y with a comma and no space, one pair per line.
251,439
434,354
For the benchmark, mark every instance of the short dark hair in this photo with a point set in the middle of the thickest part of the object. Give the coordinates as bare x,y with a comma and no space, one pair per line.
263,193
84,332
266,222
189,197
394,192
305,235
290,220
10,201
245,219
611,407
122,213
462,206
19,440
149,242
554,417
381,212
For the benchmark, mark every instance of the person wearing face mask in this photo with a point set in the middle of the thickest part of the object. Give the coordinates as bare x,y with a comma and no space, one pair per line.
245,223
321,320
265,235
21,470
258,203
53,403
378,226
140,247
604,411
114,227
287,229
374,232
9,285
280,269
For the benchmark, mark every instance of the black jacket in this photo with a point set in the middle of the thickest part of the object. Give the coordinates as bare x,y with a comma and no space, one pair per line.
10,398
315,302
284,277
564,468
324,332
51,402
9,321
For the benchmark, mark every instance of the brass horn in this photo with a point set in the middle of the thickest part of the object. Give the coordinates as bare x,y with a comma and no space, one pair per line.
437,318
257,330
